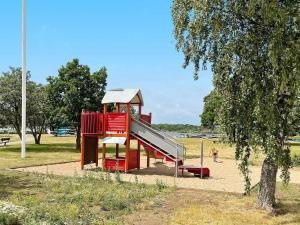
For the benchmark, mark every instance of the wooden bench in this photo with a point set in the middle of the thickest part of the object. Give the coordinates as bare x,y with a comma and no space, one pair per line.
4,141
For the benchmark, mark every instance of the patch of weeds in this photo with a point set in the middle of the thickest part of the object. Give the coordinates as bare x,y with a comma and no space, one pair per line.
118,176
160,184
108,177
11,214
60,200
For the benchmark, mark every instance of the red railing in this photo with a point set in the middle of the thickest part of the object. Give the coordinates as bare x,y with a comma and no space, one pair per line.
91,123
146,118
115,122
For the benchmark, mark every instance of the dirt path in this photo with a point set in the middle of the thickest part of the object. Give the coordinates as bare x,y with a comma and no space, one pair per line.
225,176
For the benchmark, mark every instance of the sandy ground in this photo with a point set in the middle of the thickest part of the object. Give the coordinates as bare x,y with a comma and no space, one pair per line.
225,176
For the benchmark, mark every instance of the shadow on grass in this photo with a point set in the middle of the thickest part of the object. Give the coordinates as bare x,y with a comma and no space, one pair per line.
51,147
59,147
11,182
289,200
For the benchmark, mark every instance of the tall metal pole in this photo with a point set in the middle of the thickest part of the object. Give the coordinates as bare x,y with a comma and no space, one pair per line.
23,145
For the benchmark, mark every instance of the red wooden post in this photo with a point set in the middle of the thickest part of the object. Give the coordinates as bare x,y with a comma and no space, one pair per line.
104,134
148,158
138,143
97,150
127,137
117,145
82,151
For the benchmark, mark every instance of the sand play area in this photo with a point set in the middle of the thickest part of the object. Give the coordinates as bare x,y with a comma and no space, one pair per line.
225,176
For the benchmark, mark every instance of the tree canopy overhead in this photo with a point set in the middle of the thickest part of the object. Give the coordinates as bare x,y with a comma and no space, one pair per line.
74,89
253,49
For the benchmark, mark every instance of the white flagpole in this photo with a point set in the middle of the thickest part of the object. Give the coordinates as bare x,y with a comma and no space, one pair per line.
23,145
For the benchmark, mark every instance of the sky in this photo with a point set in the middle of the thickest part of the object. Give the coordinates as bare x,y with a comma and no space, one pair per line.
133,39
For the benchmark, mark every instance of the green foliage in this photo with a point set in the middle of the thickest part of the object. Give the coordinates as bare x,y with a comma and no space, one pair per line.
252,47
11,103
73,90
212,104
38,110
296,160
294,122
184,128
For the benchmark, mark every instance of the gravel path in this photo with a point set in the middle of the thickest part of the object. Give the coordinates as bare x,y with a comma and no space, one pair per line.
225,176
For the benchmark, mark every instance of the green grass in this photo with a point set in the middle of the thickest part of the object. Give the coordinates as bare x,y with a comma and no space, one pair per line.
216,208
13,137
92,199
226,151
51,150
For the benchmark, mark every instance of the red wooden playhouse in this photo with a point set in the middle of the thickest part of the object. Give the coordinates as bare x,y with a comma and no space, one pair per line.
120,127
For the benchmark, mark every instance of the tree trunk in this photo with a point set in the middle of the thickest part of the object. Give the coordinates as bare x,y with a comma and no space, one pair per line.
18,132
36,139
267,185
78,138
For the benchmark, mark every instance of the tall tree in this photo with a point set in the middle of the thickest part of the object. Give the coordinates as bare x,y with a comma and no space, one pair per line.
11,103
73,90
253,49
38,110
209,116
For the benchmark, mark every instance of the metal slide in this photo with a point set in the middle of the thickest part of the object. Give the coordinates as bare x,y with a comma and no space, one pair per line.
158,140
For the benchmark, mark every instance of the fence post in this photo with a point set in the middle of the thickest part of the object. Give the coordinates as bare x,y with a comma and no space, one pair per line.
176,162
201,174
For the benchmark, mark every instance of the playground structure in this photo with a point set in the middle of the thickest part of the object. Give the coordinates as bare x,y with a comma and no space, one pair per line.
121,127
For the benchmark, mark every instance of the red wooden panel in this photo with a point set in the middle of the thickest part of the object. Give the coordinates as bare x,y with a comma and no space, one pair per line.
91,122
146,118
115,164
197,171
115,122
158,155
133,159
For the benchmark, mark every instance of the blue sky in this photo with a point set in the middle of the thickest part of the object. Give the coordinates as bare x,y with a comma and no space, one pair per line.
132,38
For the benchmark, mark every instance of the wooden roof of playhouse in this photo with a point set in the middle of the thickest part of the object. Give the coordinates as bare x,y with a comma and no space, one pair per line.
123,96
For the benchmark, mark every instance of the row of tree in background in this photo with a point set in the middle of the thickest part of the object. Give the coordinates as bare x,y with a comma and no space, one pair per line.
182,128
56,104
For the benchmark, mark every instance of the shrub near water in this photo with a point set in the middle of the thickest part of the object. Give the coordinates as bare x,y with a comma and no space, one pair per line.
89,200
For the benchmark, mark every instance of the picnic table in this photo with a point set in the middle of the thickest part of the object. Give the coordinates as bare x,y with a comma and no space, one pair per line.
4,141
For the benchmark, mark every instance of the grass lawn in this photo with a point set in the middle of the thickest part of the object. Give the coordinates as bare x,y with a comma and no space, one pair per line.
224,208
225,150
53,149
13,137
